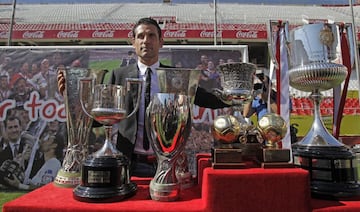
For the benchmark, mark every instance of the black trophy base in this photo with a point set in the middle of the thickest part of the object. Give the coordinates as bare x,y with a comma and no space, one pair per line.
104,179
275,158
332,169
228,158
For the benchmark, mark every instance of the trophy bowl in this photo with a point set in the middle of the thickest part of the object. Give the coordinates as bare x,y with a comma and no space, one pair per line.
236,80
105,174
315,65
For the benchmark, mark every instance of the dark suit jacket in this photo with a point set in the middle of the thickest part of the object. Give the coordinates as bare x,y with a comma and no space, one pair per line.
128,127
7,154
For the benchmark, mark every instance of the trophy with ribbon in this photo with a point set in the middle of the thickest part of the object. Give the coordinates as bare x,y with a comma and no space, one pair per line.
105,174
235,139
168,124
78,126
317,54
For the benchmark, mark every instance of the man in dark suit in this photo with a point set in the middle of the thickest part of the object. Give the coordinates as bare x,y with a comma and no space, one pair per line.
147,41
130,59
16,148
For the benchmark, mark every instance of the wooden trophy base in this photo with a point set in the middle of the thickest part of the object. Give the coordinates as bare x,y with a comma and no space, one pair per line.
228,158
275,158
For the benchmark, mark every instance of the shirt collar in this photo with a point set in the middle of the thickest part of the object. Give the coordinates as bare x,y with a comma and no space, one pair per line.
143,67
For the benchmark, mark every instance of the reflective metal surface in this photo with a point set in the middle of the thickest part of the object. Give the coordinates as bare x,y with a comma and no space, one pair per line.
168,125
236,80
78,126
105,174
316,65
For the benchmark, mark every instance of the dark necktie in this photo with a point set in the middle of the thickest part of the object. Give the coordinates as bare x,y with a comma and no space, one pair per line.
16,150
147,101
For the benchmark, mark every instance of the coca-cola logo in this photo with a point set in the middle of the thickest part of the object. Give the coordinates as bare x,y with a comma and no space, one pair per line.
4,34
103,34
35,34
175,34
246,34
130,34
68,34
210,34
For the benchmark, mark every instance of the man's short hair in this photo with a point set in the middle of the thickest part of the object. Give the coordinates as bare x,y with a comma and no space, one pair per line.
147,21
11,118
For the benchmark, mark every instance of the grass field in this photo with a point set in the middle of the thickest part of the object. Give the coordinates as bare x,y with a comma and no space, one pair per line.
6,196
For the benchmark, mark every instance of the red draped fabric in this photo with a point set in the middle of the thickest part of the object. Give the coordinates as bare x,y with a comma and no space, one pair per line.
248,190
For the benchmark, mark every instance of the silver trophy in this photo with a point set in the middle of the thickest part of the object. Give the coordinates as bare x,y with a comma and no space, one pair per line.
105,173
78,126
168,124
315,66
236,80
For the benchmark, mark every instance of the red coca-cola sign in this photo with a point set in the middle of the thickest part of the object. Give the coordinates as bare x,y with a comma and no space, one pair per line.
33,34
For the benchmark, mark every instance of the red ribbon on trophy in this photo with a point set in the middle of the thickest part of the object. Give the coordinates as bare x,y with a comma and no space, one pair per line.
340,103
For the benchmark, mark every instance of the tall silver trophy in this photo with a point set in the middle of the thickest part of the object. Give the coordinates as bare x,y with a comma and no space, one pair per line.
232,133
315,66
105,174
78,126
168,124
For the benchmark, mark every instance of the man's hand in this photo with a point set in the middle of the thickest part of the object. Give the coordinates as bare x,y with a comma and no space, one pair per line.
61,81
15,182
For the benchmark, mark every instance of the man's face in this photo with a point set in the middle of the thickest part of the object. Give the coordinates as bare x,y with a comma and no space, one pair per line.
4,82
13,130
147,43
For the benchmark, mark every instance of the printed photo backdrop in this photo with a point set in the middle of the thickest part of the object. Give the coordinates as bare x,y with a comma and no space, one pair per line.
33,134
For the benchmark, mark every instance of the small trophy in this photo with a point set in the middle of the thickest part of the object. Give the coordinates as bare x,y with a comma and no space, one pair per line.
273,128
236,80
226,131
105,174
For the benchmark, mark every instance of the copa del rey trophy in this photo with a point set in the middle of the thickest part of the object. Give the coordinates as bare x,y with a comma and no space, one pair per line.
105,174
235,139
315,66
78,126
168,124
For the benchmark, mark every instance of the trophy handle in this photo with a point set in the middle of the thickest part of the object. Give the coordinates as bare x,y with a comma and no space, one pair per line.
130,82
350,38
271,42
86,92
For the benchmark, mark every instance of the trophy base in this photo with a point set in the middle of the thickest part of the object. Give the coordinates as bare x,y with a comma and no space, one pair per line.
185,180
228,158
104,179
67,179
275,155
275,158
164,192
332,169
